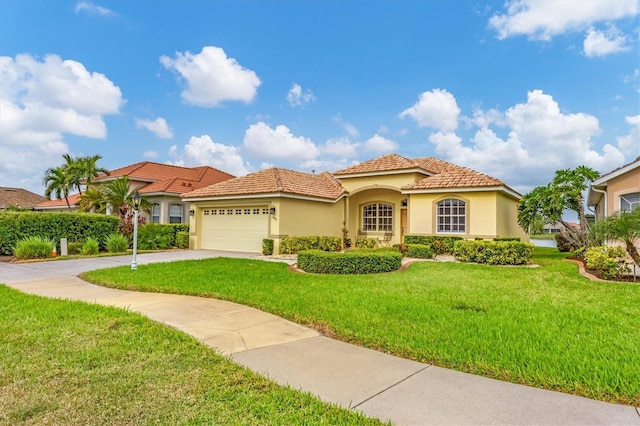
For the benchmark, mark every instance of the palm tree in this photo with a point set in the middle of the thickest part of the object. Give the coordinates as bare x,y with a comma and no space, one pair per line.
93,199
82,170
119,194
58,183
621,226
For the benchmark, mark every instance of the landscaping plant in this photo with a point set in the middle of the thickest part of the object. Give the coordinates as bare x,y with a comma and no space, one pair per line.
90,247
34,248
117,243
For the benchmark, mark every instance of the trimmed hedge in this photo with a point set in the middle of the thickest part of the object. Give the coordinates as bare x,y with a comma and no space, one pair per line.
439,245
293,245
153,236
366,243
358,261
267,246
493,252
419,251
182,240
16,226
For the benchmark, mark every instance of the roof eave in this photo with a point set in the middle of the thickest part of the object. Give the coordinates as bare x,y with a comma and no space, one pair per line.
501,188
265,195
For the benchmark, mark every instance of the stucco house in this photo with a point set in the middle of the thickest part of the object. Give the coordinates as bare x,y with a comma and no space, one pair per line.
384,198
161,184
618,190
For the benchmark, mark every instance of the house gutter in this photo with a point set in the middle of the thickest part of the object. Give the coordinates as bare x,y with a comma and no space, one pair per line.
604,192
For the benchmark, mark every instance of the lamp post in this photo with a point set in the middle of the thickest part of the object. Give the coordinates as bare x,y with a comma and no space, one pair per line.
136,205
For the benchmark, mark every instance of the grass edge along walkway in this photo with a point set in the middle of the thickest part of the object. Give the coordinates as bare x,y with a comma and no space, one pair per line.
66,362
545,327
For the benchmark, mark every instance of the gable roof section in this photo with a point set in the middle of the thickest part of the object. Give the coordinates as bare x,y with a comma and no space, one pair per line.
19,197
460,177
152,172
386,163
602,180
274,181
74,200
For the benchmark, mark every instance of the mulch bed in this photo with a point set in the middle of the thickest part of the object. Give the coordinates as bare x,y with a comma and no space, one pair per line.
596,275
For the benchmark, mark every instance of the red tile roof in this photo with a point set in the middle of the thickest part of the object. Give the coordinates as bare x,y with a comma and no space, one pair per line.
153,172
390,162
460,177
74,199
18,197
273,181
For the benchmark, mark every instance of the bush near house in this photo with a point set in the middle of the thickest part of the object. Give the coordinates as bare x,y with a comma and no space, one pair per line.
368,243
153,236
15,226
293,245
90,247
493,252
439,245
182,239
117,243
419,251
267,246
356,261
610,261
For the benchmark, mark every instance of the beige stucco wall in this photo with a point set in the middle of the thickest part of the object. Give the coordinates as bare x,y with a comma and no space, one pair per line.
624,184
489,214
165,202
382,195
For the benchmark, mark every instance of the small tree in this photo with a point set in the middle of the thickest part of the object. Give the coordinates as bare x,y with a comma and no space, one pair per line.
621,226
550,201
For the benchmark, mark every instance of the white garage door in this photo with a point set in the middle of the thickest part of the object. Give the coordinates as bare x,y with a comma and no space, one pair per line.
234,229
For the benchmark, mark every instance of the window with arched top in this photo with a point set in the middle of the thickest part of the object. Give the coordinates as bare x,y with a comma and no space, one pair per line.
155,213
451,216
377,217
175,213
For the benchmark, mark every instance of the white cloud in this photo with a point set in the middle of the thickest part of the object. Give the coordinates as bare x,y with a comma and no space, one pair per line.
40,101
319,166
340,147
542,20
630,144
297,98
380,144
437,109
212,78
351,130
159,127
264,142
151,155
602,43
88,7
541,139
204,151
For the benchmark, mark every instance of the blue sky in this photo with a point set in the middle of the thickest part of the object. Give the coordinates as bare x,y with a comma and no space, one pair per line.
513,89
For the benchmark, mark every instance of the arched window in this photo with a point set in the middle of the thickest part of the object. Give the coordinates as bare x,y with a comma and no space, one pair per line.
629,202
452,216
175,213
155,213
377,217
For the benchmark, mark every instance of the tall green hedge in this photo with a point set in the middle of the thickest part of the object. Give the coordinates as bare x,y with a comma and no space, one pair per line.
15,226
293,245
494,252
359,261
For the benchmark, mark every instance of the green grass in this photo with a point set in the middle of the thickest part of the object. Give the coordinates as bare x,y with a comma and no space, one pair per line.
67,362
547,327
543,237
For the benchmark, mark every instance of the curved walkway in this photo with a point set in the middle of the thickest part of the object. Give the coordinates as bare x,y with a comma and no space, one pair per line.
377,384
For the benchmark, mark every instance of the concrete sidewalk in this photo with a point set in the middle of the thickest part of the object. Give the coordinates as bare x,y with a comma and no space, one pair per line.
377,384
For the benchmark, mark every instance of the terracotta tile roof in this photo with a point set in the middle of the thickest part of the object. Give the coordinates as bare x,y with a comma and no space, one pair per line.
459,177
18,197
603,177
275,180
152,172
74,199
385,163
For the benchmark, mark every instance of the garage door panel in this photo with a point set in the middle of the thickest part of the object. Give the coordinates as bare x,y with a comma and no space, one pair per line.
242,230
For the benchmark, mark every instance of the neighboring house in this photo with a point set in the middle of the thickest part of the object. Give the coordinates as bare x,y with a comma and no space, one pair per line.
18,197
384,198
554,228
618,190
60,205
160,184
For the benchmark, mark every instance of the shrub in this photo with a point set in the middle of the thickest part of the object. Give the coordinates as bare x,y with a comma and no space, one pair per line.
493,252
366,243
419,251
267,246
90,247
117,243
293,245
74,247
439,244
610,261
562,243
153,236
34,248
507,239
15,226
357,261
182,239
402,248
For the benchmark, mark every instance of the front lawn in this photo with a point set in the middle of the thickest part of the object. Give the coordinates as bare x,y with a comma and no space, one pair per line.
546,327
69,363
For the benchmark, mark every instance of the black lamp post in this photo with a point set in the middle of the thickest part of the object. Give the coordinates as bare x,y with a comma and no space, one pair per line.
136,206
